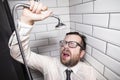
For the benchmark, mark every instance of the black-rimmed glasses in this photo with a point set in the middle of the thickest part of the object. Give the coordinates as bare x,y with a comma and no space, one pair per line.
71,44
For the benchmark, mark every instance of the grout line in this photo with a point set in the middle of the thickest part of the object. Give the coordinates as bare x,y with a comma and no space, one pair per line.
106,48
96,13
109,21
93,6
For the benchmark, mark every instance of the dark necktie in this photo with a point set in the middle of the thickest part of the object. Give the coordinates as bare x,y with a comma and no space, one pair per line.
68,72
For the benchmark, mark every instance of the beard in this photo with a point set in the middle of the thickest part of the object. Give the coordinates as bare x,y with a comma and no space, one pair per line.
70,60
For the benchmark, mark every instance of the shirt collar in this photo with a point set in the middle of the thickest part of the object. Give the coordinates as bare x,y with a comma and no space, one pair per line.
74,68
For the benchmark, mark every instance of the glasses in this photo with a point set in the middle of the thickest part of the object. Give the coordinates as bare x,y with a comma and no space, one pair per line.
71,44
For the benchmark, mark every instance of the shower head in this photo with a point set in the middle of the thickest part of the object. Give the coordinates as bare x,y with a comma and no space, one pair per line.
36,0
59,25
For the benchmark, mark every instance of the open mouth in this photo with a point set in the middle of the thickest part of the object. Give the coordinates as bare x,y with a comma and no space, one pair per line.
65,55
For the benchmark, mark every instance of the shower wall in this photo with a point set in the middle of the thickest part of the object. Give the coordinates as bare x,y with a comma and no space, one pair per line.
44,37
99,21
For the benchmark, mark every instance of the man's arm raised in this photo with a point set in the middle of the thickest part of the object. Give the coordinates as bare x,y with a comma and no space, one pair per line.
36,12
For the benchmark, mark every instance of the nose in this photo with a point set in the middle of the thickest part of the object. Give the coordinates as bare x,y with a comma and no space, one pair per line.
66,45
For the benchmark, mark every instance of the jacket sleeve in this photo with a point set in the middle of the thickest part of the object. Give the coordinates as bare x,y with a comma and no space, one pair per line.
33,60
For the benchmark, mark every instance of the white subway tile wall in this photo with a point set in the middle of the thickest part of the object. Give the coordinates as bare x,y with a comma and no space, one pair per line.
106,6
99,22
84,8
88,49
114,21
96,64
76,18
74,2
111,75
83,28
96,19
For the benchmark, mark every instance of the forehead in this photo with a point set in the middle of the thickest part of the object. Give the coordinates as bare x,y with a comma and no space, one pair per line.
73,38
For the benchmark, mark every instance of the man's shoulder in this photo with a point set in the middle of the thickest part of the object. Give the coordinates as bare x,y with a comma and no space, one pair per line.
56,59
85,65
85,68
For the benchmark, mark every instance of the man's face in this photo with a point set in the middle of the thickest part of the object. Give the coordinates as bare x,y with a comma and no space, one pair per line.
70,56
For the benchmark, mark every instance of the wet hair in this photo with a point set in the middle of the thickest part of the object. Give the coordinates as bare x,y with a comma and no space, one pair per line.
83,43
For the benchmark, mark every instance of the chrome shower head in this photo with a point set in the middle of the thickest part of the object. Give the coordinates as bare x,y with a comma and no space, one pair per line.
59,25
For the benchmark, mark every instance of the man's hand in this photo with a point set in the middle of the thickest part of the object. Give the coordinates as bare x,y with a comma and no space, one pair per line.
36,12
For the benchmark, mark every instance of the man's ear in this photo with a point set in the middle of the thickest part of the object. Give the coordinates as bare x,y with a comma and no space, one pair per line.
82,53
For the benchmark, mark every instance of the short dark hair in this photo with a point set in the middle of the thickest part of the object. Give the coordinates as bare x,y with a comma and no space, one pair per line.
83,43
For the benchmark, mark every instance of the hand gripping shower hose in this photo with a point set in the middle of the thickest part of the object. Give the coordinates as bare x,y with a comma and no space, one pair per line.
18,37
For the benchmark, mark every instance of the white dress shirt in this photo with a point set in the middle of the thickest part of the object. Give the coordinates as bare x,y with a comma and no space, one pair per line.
51,68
